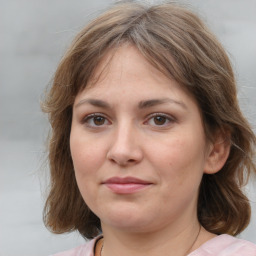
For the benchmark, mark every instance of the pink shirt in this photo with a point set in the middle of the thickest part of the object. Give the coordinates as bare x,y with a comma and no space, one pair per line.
223,245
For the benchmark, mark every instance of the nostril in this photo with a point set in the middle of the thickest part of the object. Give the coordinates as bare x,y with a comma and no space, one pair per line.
124,156
123,162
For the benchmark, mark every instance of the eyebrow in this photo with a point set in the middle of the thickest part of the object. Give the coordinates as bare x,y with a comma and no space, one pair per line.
154,102
142,104
94,102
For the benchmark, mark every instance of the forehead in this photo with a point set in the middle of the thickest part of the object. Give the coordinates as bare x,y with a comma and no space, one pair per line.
122,64
125,61
125,71
119,61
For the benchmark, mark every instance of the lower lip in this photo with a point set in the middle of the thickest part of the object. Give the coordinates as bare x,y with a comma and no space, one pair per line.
127,188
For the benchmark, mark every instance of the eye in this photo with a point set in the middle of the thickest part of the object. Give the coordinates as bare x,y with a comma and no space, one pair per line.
158,119
95,120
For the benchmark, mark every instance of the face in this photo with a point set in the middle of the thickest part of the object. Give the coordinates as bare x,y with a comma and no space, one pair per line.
138,146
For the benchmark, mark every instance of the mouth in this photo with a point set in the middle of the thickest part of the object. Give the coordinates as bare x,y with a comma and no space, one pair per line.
127,185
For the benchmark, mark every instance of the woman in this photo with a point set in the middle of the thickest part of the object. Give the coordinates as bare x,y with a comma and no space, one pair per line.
149,150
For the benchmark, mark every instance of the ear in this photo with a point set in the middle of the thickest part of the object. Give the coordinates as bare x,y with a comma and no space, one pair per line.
218,152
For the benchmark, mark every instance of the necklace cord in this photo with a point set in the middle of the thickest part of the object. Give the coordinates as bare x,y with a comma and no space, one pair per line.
193,242
101,248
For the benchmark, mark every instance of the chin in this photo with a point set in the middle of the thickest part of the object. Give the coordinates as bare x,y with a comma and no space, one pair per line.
126,220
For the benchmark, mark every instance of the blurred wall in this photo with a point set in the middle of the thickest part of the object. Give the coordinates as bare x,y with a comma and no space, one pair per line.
34,34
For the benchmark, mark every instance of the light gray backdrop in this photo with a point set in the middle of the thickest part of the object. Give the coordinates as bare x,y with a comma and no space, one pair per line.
33,36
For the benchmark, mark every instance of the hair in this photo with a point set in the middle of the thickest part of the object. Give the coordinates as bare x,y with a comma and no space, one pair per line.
176,42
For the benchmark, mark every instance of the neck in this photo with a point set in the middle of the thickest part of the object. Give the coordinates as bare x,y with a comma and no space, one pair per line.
163,242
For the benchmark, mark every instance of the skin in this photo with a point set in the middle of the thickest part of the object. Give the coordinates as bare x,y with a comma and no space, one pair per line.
135,122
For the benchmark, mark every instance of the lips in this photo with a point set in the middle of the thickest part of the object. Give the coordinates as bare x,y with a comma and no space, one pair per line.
127,185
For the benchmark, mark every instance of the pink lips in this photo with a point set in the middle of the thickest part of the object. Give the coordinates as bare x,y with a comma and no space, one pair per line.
127,185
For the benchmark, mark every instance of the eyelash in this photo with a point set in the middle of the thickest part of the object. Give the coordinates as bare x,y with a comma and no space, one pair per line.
90,117
167,118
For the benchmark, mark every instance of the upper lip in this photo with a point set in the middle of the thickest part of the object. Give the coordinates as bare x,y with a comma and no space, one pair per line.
125,180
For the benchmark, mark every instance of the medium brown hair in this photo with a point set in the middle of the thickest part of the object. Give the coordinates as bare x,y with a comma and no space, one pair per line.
176,42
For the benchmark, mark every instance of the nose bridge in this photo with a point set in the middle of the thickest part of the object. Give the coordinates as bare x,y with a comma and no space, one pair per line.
125,147
125,132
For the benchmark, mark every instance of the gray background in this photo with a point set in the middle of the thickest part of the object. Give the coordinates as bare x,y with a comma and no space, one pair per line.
33,36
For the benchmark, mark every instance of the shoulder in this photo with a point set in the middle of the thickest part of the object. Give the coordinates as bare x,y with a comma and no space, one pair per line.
226,245
86,249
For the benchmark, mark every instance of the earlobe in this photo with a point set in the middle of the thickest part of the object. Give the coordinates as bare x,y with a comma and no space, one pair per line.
218,153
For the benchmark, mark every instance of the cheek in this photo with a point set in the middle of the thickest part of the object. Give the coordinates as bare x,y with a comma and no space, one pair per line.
87,155
181,170
179,159
85,166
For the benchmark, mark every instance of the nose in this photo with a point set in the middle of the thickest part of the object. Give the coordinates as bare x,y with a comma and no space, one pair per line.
125,148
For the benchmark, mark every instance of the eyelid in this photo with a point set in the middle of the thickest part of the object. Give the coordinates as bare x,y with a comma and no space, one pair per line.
169,117
87,116
92,115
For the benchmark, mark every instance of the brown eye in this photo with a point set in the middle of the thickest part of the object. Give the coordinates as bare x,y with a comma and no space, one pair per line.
95,120
98,120
159,120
